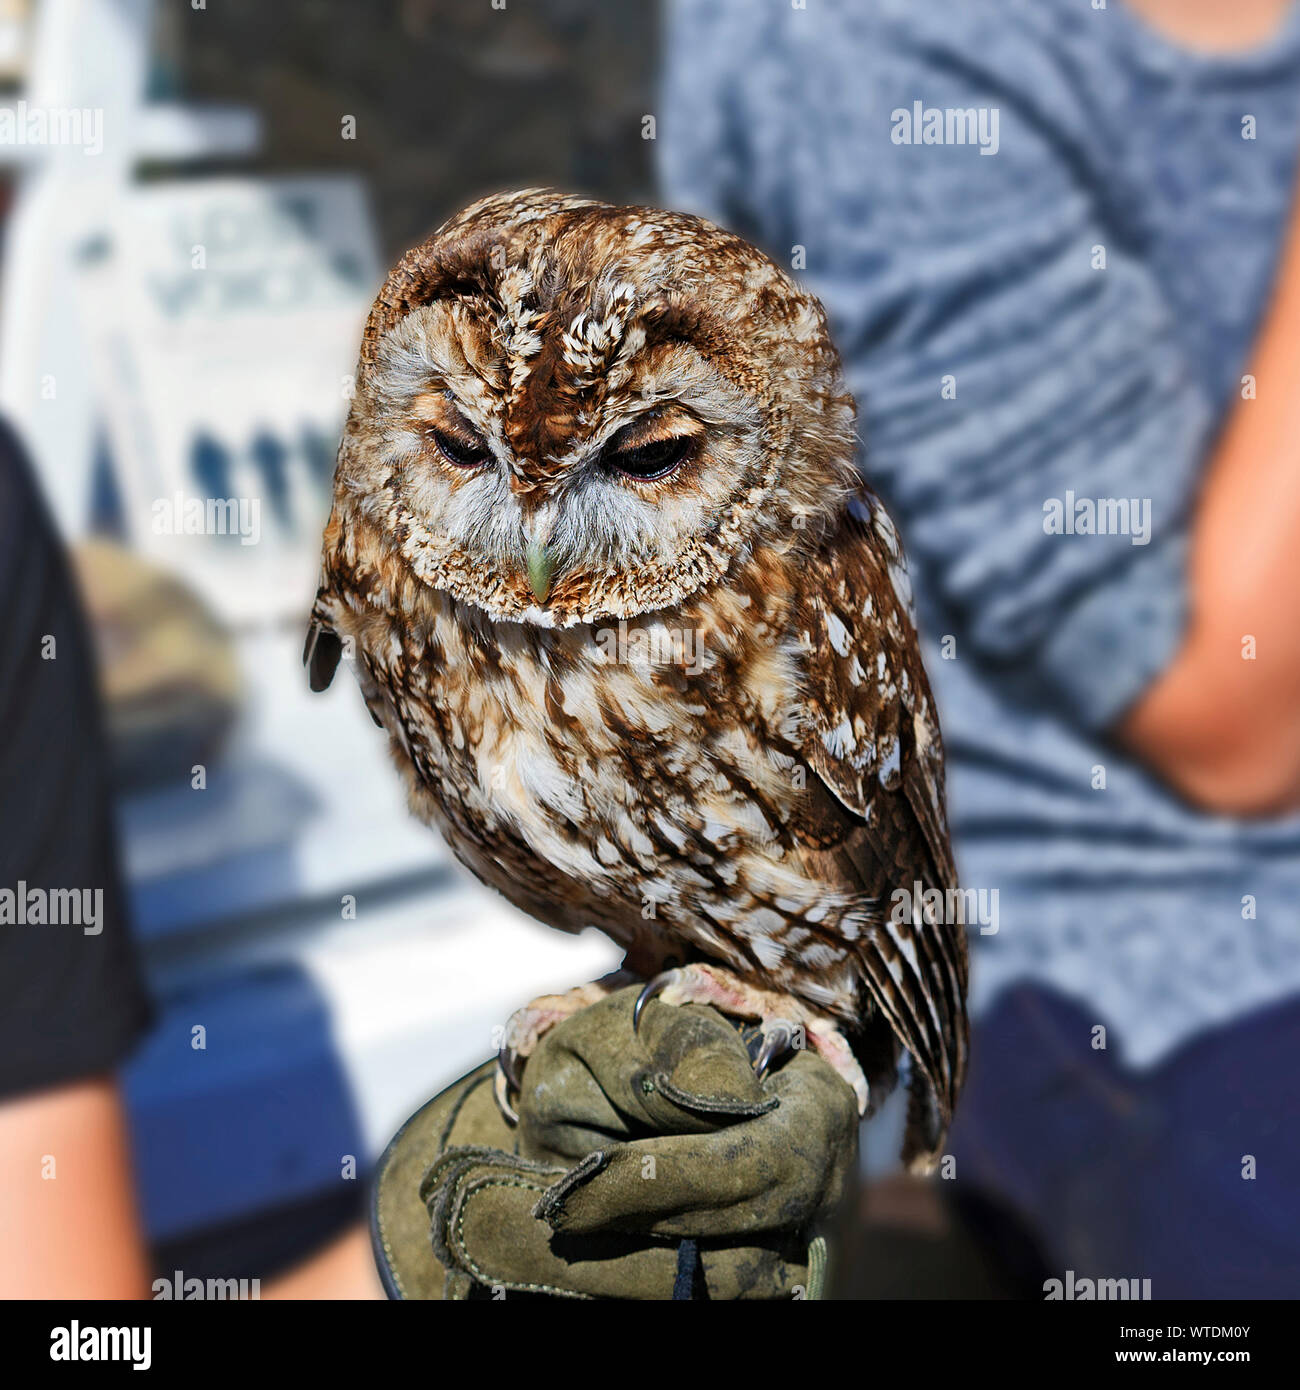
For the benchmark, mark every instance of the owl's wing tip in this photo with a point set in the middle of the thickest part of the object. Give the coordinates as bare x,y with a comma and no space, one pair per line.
928,1118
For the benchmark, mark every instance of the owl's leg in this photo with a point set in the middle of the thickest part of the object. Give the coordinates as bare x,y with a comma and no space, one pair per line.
526,1027
782,1017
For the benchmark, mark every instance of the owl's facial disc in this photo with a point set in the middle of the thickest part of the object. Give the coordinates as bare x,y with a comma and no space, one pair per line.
570,412
556,505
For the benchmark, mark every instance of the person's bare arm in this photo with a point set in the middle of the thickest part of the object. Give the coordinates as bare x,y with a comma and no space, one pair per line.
344,1269
1220,728
69,1226
68,1218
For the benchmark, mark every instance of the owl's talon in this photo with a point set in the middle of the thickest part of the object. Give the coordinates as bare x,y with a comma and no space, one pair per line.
783,1019
778,1039
508,1062
652,989
526,1027
501,1087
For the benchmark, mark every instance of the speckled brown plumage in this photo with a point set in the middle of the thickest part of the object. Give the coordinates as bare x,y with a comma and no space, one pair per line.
705,728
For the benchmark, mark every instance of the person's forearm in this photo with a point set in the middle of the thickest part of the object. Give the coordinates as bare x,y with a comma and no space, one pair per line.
1222,723
344,1269
67,1199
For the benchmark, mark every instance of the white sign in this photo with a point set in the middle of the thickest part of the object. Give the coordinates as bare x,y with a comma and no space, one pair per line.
226,315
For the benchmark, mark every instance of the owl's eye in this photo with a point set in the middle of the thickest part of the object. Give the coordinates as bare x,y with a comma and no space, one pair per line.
465,450
649,462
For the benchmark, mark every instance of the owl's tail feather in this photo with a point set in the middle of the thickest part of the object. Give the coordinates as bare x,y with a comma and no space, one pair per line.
927,1127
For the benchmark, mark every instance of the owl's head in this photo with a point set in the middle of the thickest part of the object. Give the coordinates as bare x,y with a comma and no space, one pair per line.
567,411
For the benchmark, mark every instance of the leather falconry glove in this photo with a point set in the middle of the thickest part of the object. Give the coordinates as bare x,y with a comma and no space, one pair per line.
644,1165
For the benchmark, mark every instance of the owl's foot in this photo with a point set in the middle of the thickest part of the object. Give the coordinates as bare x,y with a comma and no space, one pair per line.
786,1023
526,1027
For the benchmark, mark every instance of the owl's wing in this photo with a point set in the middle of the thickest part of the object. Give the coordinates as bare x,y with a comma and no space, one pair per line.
870,734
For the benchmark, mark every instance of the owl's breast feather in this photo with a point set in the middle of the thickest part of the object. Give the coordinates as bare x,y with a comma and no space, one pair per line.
636,777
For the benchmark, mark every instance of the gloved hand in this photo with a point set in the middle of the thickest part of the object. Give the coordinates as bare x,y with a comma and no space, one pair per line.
641,1162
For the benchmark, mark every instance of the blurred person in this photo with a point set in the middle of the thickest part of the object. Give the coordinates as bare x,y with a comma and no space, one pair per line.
72,998
72,1001
1060,251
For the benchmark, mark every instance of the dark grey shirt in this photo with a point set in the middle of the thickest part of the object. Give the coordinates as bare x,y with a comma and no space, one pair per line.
72,997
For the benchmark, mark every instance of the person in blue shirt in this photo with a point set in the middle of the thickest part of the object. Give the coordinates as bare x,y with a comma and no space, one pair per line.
1059,245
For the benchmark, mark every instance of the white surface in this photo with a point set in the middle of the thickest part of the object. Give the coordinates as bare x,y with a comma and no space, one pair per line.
362,832
230,311
85,57
416,1004
415,987
91,57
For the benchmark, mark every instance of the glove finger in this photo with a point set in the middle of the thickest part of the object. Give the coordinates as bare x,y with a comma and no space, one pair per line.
593,1078
485,1228
700,1070
477,1169
775,1172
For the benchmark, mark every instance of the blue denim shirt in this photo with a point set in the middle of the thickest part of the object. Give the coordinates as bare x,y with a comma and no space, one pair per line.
1044,306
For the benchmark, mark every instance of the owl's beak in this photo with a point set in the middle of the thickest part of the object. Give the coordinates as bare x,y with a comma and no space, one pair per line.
541,566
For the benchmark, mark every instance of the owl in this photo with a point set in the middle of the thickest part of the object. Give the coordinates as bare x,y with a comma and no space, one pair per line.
608,576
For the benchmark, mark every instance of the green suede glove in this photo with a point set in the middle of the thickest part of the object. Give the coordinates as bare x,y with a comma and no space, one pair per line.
641,1164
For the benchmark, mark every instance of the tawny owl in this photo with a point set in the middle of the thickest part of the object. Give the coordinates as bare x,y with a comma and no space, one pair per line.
614,586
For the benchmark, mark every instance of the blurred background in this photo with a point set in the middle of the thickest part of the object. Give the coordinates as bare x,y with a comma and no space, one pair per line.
181,310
